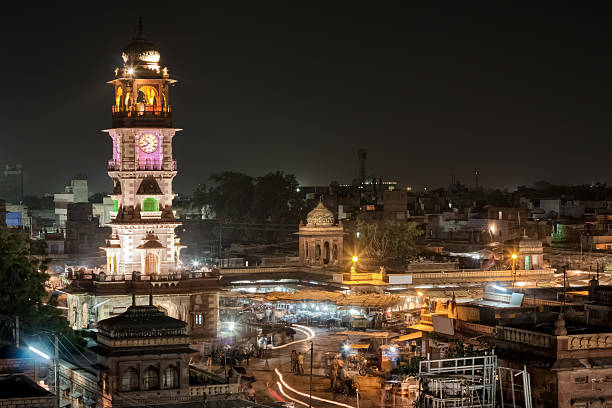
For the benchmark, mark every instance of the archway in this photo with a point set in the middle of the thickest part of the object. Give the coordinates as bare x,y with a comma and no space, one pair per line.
326,253
148,95
118,96
150,379
129,380
151,264
170,377
335,253
317,252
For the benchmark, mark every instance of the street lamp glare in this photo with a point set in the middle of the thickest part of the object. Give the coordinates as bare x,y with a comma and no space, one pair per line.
514,256
40,353
355,259
420,293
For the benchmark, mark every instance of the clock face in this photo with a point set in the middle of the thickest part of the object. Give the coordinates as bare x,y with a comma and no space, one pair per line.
148,143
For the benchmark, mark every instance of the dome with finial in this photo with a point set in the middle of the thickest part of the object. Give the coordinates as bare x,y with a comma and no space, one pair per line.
320,216
141,52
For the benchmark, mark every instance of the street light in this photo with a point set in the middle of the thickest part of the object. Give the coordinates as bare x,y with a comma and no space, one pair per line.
420,293
40,353
355,259
513,256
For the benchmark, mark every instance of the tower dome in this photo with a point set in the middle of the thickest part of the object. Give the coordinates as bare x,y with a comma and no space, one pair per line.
141,53
320,216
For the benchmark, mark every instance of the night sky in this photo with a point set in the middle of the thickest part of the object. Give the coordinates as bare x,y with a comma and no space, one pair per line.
521,94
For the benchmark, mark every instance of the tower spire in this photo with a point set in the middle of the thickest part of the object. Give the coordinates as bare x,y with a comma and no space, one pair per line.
140,28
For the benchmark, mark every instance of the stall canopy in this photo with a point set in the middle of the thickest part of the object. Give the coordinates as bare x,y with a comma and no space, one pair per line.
359,346
372,300
410,336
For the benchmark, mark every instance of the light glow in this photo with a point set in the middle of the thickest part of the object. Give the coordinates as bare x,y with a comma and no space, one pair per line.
514,256
280,376
499,288
420,293
40,353
101,303
130,71
355,259
303,329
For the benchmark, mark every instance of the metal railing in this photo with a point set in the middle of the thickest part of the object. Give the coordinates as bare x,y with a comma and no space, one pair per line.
141,110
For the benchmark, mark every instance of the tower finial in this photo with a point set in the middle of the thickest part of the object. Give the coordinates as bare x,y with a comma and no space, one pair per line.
140,28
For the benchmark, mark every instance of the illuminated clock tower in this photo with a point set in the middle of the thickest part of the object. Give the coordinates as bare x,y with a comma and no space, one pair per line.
142,166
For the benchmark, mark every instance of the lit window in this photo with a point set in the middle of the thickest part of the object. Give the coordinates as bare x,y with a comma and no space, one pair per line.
170,377
198,319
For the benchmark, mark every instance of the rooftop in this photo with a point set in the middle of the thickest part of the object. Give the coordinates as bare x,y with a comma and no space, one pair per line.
20,386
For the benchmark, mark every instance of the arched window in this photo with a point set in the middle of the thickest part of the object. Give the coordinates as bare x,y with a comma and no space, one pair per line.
148,95
335,252
318,252
129,380
150,381
118,96
170,377
149,204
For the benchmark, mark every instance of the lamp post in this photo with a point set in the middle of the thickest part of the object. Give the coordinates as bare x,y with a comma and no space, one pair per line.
310,388
514,256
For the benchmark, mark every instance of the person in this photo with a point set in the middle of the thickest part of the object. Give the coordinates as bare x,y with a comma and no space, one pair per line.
300,359
251,393
333,376
293,361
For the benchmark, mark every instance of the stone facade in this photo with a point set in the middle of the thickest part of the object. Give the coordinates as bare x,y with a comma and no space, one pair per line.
321,240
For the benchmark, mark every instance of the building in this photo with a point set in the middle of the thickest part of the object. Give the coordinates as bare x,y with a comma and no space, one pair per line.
142,251
145,355
321,239
83,232
75,192
11,184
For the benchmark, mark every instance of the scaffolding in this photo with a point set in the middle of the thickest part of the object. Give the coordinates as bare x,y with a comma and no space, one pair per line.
472,382
458,382
514,388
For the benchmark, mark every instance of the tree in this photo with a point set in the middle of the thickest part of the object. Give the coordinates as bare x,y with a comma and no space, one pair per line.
275,199
388,240
22,287
232,196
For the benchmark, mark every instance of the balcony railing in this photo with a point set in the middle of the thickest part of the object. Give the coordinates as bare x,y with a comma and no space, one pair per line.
146,165
113,165
142,110
526,337
589,341
142,115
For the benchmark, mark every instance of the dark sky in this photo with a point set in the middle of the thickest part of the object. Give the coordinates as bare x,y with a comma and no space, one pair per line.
522,94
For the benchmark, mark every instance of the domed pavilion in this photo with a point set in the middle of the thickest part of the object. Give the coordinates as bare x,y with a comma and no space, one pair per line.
321,239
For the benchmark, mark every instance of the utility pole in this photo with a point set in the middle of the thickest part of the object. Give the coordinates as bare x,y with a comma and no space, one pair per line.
17,331
56,370
310,393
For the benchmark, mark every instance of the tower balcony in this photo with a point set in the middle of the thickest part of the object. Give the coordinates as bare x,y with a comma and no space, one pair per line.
147,165
141,115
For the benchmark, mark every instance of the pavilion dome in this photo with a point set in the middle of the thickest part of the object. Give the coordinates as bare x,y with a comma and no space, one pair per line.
320,216
141,52
142,321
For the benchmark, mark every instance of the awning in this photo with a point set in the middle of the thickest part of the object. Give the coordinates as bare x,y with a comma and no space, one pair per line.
421,327
410,336
359,346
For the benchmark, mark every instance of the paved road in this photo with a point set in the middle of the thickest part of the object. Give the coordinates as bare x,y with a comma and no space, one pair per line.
324,341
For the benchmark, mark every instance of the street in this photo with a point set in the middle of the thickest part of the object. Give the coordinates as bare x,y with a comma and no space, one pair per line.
268,391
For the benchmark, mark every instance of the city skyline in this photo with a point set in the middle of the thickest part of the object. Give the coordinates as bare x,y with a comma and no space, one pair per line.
519,94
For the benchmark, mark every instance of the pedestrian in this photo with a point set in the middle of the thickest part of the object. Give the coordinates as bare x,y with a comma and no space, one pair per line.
300,360
293,361
333,376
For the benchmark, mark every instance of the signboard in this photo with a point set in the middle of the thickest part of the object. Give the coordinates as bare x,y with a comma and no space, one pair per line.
443,325
400,279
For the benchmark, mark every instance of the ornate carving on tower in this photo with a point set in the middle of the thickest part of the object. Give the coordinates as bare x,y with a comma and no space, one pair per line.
142,166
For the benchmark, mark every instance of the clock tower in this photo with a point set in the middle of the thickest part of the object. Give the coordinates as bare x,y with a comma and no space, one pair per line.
142,166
